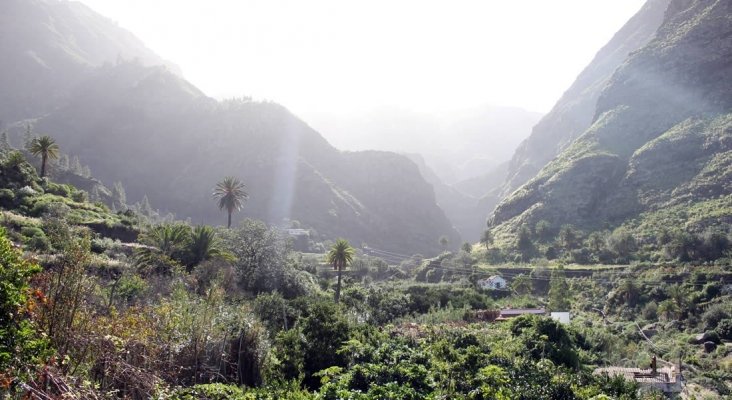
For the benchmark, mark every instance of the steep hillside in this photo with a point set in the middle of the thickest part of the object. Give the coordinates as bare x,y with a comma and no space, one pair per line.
574,112
162,137
49,45
658,152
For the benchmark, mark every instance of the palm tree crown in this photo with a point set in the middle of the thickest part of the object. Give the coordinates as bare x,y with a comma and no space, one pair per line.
232,194
340,255
206,245
47,148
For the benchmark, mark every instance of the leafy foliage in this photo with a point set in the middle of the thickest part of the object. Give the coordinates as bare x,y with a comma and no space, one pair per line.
21,345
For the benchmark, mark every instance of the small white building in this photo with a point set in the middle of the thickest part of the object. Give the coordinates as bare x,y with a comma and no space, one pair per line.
564,317
494,282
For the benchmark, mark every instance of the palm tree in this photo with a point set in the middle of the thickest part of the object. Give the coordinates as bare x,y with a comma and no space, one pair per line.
231,194
47,148
339,256
169,239
163,247
205,245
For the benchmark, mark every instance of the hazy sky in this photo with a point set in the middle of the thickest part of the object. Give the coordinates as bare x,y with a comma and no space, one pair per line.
341,56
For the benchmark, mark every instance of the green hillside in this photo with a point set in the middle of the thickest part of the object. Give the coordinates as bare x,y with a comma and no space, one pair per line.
658,147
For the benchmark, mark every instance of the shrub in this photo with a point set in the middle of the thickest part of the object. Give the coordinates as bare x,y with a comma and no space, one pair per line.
714,315
80,196
131,287
724,329
650,311
58,189
39,243
31,231
211,391
20,345
7,198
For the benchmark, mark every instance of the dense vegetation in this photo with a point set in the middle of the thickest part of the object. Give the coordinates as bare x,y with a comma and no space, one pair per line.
629,228
194,312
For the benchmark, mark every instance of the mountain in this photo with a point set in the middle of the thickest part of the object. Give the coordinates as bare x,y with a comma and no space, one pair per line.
574,111
483,184
658,152
567,120
456,144
49,46
146,126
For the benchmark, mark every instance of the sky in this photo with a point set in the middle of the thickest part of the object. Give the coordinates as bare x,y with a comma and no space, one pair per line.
344,56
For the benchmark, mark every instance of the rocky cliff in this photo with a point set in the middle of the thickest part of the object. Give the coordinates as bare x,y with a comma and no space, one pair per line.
660,137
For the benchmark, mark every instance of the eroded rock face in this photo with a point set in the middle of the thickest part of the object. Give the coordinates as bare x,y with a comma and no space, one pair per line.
574,112
660,136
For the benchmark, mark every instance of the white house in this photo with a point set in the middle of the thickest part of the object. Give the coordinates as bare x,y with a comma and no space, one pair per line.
563,317
492,283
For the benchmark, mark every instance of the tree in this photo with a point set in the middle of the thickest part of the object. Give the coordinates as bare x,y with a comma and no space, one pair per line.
165,247
630,292
339,256
63,162
622,243
521,284
467,247
668,309
558,291
28,137
324,331
596,242
486,239
543,230
524,243
47,148
231,193
679,295
444,241
262,260
567,237
5,146
205,245
75,166
146,208
119,197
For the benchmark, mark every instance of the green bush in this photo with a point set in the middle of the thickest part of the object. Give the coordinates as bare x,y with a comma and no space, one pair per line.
20,344
80,196
39,243
58,189
212,391
7,198
131,287
31,231
724,329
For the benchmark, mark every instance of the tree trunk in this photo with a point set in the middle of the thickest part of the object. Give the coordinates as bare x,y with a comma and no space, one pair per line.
228,225
338,285
43,166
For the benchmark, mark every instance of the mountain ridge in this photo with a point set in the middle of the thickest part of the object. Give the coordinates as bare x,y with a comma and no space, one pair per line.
150,128
662,130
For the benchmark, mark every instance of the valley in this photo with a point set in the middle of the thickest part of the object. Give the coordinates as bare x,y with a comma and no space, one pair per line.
158,243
